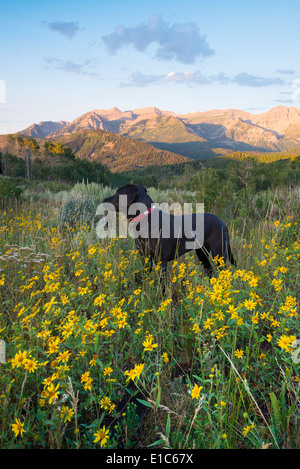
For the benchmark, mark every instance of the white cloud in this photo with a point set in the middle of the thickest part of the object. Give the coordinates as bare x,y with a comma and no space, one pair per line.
286,71
179,41
245,79
188,78
197,78
68,29
70,66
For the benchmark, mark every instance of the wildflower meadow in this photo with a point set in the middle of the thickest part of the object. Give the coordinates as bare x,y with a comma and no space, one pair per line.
95,353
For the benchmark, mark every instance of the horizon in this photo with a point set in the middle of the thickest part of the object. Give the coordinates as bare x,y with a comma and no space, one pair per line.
61,61
161,110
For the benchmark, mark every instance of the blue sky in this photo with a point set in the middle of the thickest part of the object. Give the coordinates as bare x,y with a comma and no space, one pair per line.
60,59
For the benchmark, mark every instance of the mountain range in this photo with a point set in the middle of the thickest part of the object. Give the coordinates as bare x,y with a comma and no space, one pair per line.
116,152
196,135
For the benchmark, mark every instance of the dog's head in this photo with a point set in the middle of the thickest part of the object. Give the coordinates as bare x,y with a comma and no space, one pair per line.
126,196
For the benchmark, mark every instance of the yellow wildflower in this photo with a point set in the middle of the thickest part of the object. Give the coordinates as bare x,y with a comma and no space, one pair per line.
18,428
148,345
102,436
31,365
107,371
239,353
249,304
105,403
66,414
52,392
19,359
196,391
285,342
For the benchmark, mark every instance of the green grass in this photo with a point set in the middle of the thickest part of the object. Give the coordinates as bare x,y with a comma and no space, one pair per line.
92,341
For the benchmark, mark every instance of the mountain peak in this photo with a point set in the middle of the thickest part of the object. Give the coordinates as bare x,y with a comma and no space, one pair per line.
115,109
113,114
44,128
189,134
148,110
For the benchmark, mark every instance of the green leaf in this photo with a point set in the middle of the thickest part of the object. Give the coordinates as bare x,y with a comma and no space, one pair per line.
168,426
48,422
275,407
198,378
158,398
158,442
146,403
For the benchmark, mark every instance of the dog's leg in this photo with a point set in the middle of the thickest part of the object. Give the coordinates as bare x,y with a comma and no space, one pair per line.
146,269
220,251
163,276
203,258
148,265
164,265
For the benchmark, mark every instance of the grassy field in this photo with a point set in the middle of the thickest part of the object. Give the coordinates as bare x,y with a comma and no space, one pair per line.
97,356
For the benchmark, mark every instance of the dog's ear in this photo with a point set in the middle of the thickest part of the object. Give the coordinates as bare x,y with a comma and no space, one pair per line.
131,190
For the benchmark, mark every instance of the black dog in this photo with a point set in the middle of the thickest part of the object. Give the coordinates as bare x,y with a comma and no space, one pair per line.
165,249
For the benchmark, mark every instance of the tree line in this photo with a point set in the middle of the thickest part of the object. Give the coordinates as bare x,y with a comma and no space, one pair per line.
26,158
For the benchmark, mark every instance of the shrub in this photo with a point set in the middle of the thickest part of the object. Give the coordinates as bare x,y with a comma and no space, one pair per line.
8,189
77,209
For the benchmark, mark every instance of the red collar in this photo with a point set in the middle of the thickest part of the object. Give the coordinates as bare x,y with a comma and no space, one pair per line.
142,215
